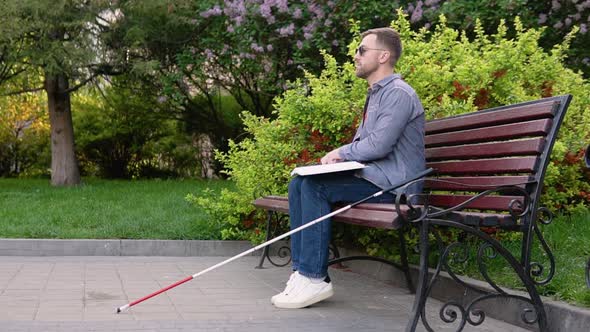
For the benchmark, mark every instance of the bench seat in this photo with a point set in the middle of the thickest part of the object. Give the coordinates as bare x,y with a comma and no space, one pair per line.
385,216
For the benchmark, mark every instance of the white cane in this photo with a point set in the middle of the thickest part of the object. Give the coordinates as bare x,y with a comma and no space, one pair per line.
260,246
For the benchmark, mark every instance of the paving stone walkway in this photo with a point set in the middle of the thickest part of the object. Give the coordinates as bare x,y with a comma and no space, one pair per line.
81,293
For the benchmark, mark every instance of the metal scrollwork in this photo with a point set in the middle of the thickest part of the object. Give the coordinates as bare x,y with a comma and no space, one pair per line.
284,252
476,316
276,223
537,270
450,311
486,250
544,216
456,255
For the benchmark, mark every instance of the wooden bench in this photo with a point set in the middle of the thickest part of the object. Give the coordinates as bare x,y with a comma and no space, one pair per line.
489,169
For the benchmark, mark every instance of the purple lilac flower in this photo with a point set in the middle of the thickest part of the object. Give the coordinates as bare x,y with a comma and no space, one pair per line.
568,22
335,42
247,56
583,28
282,6
238,20
265,10
287,31
555,5
542,18
297,13
558,25
316,10
267,67
417,14
234,8
162,99
257,48
230,29
307,36
299,44
215,11
269,47
310,28
208,53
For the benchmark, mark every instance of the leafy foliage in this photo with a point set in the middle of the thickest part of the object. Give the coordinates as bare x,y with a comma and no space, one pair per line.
122,133
24,136
451,73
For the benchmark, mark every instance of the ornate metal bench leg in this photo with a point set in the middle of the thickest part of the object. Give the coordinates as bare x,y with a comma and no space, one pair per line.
471,311
404,261
421,291
264,254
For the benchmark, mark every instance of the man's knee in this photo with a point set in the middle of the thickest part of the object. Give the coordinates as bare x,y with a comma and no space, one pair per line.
311,185
295,184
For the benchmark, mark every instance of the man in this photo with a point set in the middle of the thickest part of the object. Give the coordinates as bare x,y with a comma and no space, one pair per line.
389,140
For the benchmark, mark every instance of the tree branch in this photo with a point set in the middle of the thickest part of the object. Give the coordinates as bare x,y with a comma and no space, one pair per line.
18,92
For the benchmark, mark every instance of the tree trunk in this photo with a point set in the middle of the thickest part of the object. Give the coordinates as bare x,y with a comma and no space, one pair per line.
64,165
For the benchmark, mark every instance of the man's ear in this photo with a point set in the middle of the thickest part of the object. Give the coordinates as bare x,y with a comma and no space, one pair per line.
384,57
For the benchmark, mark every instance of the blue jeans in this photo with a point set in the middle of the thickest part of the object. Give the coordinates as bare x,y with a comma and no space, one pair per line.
311,197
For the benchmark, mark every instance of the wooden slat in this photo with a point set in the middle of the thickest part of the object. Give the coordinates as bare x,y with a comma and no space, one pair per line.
273,203
475,183
373,218
497,133
485,166
368,214
536,110
487,150
494,203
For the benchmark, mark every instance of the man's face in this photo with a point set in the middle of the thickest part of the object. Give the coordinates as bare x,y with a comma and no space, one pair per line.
367,56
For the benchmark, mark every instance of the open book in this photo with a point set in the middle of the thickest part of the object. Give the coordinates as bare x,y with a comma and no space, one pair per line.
328,168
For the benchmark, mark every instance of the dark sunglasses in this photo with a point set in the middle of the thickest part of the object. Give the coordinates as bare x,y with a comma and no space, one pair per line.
362,49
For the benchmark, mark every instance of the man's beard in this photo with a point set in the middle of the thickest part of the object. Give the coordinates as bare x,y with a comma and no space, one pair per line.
364,72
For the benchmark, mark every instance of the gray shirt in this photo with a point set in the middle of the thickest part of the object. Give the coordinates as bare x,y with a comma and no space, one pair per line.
390,141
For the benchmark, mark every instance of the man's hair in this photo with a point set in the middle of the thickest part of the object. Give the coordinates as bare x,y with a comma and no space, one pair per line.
390,39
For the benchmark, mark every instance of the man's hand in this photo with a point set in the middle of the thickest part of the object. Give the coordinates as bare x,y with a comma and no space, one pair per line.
331,157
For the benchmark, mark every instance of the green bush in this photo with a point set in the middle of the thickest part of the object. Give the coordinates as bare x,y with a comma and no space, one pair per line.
450,73
24,136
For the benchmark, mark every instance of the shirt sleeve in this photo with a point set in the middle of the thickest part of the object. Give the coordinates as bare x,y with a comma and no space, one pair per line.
394,112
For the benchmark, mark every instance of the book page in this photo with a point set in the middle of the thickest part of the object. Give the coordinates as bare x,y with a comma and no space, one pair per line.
328,168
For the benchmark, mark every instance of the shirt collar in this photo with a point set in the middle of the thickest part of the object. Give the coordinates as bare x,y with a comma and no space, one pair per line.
383,82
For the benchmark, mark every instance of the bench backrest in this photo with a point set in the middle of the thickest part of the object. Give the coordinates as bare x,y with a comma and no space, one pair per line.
500,146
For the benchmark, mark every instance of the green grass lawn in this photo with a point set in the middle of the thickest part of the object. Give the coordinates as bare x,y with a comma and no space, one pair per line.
105,209
569,238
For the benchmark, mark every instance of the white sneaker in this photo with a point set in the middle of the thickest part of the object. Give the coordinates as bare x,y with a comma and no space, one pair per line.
288,287
304,293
